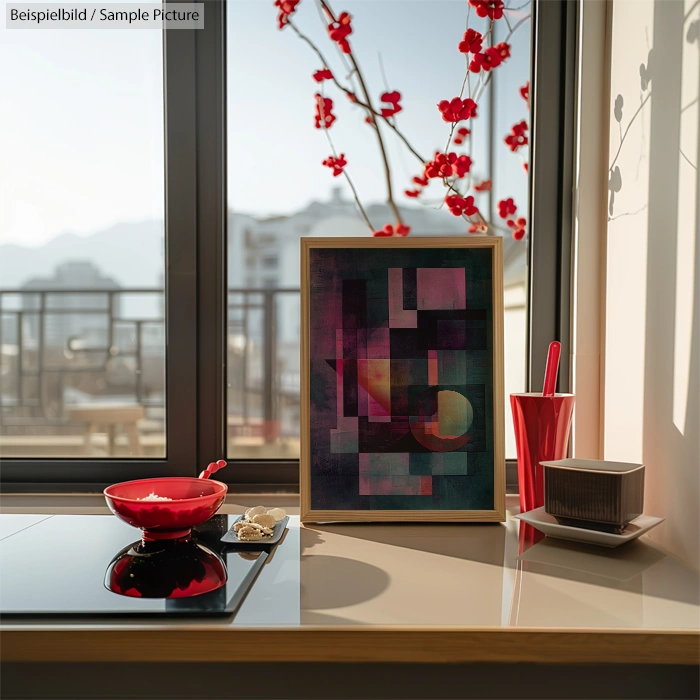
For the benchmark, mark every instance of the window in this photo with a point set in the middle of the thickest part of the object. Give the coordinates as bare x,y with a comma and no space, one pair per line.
279,190
226,304
82,245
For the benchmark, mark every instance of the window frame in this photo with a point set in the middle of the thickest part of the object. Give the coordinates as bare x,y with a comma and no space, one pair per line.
196,279
183,313
553,81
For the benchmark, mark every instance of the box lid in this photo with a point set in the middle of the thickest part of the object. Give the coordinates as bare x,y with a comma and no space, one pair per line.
594,465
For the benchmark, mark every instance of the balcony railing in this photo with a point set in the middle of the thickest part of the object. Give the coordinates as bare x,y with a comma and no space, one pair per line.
82,370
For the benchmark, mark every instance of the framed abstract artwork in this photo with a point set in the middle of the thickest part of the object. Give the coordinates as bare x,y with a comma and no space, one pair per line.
402,406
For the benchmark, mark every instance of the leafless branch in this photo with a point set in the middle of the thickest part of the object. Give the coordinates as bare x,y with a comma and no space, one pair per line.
373,117
345,172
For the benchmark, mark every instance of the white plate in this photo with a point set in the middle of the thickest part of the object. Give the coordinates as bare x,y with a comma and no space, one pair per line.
546,523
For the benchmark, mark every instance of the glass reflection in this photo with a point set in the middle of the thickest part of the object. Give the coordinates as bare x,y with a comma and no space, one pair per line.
179,568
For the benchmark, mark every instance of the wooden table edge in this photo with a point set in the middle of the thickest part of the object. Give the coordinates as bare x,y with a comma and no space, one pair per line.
350,644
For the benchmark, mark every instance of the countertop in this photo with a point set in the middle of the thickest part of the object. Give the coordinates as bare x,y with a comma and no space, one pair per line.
413,592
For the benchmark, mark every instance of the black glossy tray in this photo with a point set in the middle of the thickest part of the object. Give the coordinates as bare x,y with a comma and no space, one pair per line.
232,541
58,568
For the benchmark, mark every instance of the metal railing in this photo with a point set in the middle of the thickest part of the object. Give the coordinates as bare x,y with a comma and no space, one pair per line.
64,352
243,306
48,337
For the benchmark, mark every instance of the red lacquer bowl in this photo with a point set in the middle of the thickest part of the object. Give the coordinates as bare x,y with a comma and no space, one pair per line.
193,502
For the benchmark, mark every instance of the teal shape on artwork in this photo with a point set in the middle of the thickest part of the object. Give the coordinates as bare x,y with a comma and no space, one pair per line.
377,306
452,366
455,463
424,463
389,464
344,442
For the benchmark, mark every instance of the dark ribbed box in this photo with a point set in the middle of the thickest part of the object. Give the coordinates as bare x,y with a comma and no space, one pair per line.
593,494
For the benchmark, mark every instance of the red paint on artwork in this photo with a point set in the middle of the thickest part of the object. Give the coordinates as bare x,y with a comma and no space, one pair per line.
378,344
441,288
398,316
432,367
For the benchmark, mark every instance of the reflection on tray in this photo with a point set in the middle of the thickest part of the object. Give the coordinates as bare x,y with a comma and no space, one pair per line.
180,568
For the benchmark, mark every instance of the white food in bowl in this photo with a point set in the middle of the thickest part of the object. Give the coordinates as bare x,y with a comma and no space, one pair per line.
154,497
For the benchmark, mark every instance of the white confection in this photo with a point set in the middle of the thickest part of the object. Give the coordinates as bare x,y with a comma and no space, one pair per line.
277,513
264,519
256,510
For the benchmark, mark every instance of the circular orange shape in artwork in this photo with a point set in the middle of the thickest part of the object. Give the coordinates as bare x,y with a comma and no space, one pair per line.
446,430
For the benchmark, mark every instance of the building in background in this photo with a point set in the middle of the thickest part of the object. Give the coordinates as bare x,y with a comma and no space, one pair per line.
59,324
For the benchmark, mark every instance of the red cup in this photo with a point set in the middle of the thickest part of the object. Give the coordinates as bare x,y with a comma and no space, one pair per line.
542,425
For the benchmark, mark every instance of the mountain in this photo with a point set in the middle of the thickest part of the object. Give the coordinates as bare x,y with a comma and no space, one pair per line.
130,253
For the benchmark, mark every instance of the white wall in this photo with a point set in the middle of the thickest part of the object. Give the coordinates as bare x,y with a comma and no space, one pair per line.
651,380
590,224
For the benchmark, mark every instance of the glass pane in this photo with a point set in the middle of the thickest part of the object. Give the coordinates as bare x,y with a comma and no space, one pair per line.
279,189
82,244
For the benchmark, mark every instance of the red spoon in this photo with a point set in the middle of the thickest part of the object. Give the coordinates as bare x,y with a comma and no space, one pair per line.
552,369
212,469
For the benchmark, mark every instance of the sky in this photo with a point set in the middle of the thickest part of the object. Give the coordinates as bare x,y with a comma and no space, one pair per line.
81,144
81,131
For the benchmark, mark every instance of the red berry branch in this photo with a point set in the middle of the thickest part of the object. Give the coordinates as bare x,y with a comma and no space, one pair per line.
449,167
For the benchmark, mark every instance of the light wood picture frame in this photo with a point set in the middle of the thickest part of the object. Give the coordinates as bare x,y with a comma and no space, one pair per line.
402,385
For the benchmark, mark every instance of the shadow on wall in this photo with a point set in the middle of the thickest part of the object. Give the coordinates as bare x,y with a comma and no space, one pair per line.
662,128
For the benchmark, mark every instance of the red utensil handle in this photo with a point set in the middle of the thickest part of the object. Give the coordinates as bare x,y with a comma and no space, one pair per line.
212,468
552,369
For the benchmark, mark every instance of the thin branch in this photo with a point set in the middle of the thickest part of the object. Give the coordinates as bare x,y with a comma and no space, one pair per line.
482,87
345,172
380,141
316,50
324,21
624,136
357,200
406,142
690,163
510,34
464,82
516,9
449,138
373,116
490,30
690,104
347,91
690,11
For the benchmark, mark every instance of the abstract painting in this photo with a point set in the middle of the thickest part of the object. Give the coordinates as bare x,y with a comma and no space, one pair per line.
402,379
